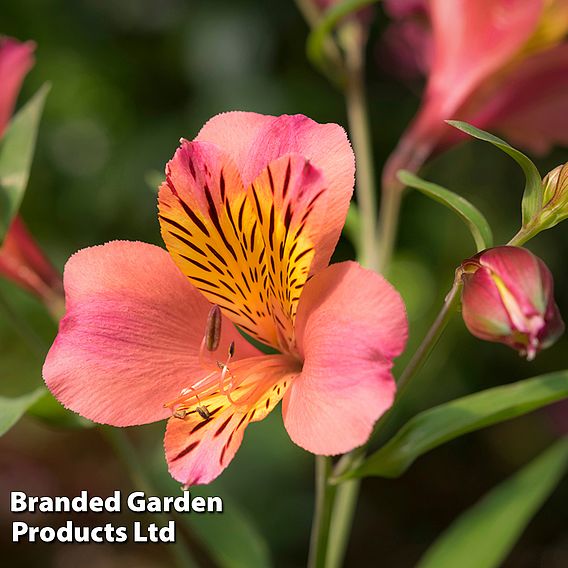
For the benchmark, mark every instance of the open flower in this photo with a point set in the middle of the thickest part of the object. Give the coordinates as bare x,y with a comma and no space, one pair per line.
250,213
498,64
508,297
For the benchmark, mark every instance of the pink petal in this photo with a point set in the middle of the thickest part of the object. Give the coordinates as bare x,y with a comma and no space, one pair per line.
473,40
16,60
130,339
198,449
523,274
528,107
254,140
350,324
483,310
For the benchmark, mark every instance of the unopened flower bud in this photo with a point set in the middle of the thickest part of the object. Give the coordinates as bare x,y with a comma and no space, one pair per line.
24,263
508,297
555,196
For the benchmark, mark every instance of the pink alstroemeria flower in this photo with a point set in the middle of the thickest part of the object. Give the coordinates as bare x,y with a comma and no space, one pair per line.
250,213
501,65
21,260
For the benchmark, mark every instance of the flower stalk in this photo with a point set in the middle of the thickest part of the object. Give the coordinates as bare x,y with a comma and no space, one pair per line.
352,37
325,496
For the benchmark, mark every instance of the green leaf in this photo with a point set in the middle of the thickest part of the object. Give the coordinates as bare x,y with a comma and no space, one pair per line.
443,423
483,536
16,152
472,217
12,409
532,196
320,34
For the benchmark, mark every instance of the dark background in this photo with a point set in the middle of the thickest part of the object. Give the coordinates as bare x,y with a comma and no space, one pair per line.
128,80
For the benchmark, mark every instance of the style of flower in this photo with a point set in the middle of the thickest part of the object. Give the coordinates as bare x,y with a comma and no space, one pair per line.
508,297
501,65
250,212
21,259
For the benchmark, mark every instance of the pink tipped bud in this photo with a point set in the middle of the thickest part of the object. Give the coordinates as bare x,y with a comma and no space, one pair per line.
508,297
23,262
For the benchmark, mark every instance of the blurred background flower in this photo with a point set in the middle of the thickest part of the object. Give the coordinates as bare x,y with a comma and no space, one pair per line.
501,65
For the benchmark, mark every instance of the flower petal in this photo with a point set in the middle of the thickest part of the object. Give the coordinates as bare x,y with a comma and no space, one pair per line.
249,251
472,41
524,275
130,339
200,446
16,60
350,324
529,107
483,310
254,140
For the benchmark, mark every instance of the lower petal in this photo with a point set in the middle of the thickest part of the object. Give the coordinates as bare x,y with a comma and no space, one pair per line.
351,322
130,339
200,445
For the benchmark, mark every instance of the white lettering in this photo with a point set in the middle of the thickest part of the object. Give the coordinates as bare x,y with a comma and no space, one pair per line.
18,529
18,501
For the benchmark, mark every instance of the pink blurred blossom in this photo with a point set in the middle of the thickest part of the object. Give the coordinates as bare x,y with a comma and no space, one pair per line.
501,65
21,259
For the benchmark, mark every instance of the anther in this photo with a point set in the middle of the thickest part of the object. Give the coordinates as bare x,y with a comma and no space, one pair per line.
203,412
213,329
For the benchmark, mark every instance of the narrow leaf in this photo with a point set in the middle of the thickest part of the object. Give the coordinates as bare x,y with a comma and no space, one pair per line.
484,535
532,196
472,217
16,153
443,423
12,409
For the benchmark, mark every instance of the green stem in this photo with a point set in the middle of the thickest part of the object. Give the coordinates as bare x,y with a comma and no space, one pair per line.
340,502
325,495
388,226
524,235
352,40
119,441
343,509
428,343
